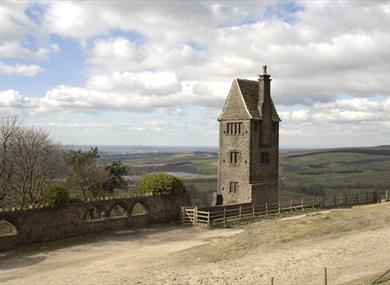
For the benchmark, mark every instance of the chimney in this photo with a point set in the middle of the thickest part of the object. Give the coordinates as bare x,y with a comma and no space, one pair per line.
264,88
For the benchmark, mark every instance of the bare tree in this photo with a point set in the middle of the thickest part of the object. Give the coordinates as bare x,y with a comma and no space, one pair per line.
8,129
30,161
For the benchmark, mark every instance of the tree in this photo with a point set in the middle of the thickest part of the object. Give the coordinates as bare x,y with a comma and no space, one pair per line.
56,195
29,162
116,172
161,184
86,176
8,128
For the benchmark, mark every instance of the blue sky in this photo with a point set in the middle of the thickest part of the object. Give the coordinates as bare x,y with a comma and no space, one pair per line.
157,73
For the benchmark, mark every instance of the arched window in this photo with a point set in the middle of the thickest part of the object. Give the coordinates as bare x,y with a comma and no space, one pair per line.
139,210
93,214
7,229
118,211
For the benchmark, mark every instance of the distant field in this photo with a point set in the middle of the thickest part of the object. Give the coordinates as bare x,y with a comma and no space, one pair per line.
302,174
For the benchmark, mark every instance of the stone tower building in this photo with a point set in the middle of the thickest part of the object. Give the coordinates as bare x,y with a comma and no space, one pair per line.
248,144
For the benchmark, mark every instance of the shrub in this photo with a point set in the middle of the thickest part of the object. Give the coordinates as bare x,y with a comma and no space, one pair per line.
56,195
161,184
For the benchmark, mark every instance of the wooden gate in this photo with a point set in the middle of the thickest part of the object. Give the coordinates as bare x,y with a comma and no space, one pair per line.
192,216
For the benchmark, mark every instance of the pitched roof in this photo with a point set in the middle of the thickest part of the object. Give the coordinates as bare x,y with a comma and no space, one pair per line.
250,92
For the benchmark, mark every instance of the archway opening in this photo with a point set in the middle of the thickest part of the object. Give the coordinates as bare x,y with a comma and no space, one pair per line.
93,214
7,229
139,210
118,211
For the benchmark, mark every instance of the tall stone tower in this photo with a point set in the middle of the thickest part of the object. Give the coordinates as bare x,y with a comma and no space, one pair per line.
248,144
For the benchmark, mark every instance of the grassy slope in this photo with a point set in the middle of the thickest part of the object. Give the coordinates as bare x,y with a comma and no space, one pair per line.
336,172
268,235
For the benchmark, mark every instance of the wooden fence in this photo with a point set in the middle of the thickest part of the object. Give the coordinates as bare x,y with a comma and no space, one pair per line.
225,214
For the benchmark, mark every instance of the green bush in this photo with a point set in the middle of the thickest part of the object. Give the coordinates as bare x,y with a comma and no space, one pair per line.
161,184
56,195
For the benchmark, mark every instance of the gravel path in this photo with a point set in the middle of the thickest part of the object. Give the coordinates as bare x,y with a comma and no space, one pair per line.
175,255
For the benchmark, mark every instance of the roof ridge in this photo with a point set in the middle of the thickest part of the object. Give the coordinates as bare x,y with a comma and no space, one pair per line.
243,79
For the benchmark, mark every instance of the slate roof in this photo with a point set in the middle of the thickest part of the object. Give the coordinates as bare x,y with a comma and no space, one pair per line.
250,92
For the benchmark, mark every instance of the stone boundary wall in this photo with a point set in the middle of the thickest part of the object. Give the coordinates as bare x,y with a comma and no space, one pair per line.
45,224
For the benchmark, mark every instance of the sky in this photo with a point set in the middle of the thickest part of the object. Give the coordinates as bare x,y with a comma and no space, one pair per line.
158,72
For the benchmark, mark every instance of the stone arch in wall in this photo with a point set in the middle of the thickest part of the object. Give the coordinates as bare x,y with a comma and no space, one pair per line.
93,213
7,228
118,210
139,208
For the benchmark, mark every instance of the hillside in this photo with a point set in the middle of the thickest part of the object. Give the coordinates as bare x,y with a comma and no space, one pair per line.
302,174
352,243
377,150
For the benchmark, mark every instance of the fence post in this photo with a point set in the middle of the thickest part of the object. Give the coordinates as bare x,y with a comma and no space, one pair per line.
291,206
374,197
240,212
302,205
313,203
387,195
208,218
279,207
183,213
340,200
266,208
253,210
224,216
366,197
195,215
325,276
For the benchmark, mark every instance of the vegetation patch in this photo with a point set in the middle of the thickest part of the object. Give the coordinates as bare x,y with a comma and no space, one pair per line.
161,184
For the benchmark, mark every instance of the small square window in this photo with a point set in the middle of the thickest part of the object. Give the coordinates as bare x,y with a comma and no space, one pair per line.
233,128
233,187
234,157
264,157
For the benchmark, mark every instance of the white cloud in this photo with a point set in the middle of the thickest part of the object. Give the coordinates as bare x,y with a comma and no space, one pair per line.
145,83
168,22
14,22
13,49
141,58
20,69
13,99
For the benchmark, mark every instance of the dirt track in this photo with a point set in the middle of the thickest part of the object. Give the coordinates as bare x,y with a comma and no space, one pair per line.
352,243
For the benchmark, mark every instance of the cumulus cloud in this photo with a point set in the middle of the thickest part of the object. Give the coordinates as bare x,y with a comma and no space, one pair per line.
20,69
354,110
13,99
68,98
147,83
141,58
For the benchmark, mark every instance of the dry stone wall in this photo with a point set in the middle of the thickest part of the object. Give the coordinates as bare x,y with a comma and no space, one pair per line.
45,224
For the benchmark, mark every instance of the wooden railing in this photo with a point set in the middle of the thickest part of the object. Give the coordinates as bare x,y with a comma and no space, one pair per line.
214,216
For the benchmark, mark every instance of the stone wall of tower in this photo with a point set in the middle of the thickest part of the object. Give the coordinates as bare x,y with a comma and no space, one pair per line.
264,141
234,111
234,172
